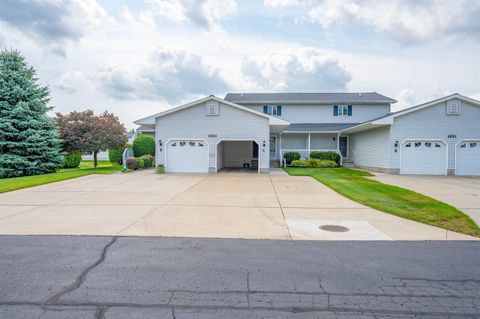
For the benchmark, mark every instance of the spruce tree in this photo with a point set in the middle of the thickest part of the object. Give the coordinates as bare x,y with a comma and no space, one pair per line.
29,142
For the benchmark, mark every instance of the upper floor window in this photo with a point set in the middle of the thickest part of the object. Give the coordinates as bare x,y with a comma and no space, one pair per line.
342,110
275,110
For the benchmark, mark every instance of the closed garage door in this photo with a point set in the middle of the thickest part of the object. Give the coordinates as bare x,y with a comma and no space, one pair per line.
424,157
468,158
187,156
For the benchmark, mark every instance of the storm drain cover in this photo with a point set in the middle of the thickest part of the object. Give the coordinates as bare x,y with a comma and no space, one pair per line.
334,228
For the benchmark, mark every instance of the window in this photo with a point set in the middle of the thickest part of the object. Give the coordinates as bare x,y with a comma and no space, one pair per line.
463,145
438,145
174,144
472,145
191,143
275,110
418,144
182,143
200,144
428,144
342,110
408,145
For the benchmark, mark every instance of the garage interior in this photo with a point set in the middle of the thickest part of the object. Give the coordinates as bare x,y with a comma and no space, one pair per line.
237,156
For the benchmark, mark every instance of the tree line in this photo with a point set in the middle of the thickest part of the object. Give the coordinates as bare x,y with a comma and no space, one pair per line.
31,142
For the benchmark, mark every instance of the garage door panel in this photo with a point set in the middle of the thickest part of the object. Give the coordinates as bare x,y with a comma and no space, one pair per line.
187,156
468,158
423,157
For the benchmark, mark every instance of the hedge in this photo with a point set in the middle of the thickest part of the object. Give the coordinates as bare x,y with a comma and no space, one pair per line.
72,159
115,155
291,156
143,145
330,156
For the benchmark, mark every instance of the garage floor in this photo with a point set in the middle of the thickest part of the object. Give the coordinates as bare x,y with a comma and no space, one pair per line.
460,191
275,206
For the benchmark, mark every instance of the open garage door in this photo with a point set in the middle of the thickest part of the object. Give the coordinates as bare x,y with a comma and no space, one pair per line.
187,156
423,157
468,158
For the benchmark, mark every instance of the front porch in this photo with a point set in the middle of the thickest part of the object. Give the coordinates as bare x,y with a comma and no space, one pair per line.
305,143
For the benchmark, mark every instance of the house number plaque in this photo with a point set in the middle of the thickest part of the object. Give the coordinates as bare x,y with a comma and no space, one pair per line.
212,135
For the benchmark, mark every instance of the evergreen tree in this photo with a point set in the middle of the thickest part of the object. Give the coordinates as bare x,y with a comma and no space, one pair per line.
29,142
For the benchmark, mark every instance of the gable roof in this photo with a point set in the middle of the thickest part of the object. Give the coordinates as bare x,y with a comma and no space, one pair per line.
317,127
388,119
149,120
321,98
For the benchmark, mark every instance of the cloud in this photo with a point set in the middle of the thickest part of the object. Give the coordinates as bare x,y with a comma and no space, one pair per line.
71,81
202,13
406,21
303,69
53,22
168,75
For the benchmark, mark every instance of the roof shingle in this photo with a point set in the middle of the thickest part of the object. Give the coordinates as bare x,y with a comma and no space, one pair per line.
318,127
361,97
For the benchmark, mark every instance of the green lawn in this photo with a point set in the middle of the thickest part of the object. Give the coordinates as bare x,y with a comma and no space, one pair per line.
394,200
86,168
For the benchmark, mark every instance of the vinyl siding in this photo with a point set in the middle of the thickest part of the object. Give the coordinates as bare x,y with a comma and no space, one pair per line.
433,123
324,113
371,148
231,123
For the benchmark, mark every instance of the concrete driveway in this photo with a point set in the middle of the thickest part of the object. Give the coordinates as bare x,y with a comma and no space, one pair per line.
275,206
458,191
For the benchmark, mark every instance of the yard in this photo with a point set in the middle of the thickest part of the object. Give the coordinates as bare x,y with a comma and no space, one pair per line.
394,200
85,168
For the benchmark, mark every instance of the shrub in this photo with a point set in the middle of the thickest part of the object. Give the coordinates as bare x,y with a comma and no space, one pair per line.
327,163
291,156
149,160
142,145
115,155
141,162
160,169
72,159
330,156
299,163
313,162
132,163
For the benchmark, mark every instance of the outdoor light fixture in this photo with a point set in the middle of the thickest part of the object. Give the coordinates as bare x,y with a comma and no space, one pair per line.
396,144
334,138
160,143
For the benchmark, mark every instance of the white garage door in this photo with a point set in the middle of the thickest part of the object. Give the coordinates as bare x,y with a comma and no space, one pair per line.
187,156
423,157
468,158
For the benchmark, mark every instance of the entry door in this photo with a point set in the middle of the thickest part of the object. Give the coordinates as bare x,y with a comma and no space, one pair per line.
187,156
344,146
273,147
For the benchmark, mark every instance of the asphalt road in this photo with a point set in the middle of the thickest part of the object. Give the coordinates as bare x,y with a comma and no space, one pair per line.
103,277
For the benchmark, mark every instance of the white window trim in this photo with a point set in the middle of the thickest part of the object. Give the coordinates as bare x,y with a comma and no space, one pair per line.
342,108
272,110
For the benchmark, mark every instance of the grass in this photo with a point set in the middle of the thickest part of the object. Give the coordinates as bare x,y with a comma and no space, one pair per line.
85,168
394,200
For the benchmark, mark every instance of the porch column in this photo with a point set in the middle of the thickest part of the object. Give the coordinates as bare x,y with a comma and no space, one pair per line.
308,144
280,148
338,148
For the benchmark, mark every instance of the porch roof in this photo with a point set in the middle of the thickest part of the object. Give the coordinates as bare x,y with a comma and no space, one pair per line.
317,127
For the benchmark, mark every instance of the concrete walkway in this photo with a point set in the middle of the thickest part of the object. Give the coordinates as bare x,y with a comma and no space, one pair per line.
459,191
253,206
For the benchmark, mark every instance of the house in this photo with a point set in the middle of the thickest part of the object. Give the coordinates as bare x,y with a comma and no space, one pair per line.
255,129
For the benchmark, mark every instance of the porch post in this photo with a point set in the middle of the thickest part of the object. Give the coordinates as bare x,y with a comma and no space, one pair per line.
308,144
338,148
280,148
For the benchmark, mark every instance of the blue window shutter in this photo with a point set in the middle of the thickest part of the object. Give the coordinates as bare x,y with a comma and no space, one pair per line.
349,110
279,110
335,110
265,109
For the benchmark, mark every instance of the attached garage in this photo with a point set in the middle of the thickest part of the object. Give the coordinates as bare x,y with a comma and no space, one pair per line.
426,157
187,156
468,158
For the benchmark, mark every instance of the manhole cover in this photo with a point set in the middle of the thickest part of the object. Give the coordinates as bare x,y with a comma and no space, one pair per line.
334,228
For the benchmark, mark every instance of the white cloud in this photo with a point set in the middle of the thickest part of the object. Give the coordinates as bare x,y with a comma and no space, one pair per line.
53,23
203,13
168,75
304,69
406,21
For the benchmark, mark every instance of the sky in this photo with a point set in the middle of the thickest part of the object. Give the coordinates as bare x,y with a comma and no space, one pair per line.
136,58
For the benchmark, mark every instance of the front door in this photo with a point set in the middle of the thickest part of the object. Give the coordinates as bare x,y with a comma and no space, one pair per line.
344,146
273,147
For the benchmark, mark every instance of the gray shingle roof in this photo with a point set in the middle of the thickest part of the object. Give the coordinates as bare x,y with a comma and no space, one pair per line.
318,127
362,97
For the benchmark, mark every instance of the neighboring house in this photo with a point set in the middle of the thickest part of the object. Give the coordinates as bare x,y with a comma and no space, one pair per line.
256,129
